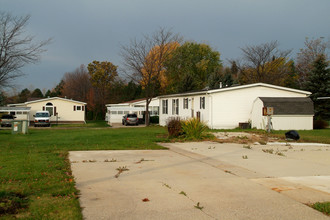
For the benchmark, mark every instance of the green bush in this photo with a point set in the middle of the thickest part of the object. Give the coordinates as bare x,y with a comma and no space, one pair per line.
320,124
174,127
154,119
194,128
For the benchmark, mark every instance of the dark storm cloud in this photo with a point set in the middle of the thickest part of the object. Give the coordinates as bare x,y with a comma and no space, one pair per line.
84,31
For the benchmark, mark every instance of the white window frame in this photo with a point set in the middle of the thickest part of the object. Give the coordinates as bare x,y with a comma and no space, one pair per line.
165,106
175,106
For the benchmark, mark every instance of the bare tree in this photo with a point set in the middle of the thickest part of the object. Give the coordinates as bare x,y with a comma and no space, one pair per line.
143,61
16,48
305,58
77,84
263,63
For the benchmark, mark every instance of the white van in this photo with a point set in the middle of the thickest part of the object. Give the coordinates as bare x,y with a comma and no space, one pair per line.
42,118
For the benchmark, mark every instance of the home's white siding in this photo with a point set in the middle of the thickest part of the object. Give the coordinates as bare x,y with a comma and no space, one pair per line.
279,122
292,122
185,113
226,108
257,119
235,106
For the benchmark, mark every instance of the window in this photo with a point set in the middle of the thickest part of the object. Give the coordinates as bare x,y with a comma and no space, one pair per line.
175,106
165,106
185,103
202,102
120,112
78,108
114,112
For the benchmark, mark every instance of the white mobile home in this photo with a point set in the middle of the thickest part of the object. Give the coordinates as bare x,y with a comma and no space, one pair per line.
225,108
115,112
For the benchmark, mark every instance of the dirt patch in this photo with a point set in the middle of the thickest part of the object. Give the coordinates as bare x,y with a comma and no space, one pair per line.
243,138
11,203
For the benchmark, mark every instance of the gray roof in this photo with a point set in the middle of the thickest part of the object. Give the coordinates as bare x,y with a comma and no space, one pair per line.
289,106
6,109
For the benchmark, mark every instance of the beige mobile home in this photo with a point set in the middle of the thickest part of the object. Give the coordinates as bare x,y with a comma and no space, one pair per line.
62,110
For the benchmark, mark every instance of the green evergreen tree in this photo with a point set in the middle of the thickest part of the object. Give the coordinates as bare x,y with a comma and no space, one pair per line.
24,95
319,84
37,94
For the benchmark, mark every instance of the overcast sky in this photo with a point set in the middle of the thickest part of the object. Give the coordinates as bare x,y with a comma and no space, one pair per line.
87,30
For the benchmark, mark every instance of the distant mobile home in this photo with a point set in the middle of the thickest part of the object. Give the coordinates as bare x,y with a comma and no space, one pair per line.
115,112
62,110
226,108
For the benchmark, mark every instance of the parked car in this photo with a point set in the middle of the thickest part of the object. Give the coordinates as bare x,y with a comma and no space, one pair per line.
42,118
6,120
130,119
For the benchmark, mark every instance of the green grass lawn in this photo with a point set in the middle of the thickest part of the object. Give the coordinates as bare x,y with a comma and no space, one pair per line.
89,124
322,207
35,176
35,173
315,136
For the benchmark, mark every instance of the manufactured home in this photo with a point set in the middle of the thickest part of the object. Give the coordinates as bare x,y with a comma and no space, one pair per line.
227,108
61,110
115,112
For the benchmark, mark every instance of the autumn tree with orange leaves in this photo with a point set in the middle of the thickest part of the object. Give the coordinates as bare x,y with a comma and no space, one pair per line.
144,61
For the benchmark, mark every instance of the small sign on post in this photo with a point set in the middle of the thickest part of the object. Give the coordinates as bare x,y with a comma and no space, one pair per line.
268,111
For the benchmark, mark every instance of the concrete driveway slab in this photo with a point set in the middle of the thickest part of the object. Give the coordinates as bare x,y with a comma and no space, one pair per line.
165,184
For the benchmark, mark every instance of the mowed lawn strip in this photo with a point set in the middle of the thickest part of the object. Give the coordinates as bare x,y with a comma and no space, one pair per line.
35,176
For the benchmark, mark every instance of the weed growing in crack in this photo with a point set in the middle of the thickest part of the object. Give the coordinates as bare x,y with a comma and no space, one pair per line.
197,206
166,185
112,160
279,153
183,193
245,157
270,151
120,170
247,147
142,159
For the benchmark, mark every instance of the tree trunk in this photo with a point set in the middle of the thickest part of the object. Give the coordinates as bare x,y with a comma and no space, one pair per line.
147,112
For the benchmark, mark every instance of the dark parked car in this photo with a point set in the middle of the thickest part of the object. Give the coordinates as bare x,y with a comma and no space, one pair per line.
130,119
6,120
